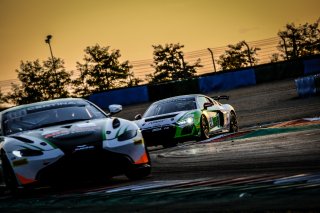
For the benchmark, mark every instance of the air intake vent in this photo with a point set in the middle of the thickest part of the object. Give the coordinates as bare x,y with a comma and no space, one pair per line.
26,140
161,117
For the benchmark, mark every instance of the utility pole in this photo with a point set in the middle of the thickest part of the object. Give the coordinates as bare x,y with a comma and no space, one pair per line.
214,65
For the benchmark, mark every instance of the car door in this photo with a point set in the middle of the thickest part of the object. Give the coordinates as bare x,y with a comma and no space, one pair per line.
212,111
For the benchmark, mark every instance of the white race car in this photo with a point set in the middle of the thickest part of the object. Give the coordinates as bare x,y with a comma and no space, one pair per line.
68,139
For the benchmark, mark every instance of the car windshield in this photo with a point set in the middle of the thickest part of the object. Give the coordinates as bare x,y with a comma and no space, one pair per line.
44,116
168,106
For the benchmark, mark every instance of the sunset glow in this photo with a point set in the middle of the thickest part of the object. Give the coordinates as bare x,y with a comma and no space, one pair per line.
133,26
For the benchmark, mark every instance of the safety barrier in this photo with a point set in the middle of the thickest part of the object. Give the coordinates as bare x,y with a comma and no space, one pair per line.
278,71
173,88
227,81
219,82
311,66
317,83
123,96
306,86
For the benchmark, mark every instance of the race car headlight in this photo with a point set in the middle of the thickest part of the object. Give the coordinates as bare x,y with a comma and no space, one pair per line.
188,120
27,153
127,135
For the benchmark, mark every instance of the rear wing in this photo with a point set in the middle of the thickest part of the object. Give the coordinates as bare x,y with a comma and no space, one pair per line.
221,97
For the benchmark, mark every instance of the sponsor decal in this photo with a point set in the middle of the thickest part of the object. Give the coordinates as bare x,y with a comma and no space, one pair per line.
84,129
52,105
75,130
83,125
82,148
56,134
165,121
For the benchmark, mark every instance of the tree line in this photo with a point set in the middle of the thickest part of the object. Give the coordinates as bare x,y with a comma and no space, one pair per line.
101,69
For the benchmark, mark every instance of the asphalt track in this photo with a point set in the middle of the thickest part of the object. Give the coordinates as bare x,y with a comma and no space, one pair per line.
272,164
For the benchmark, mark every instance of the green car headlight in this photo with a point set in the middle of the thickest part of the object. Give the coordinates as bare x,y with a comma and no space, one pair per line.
187,120
127,135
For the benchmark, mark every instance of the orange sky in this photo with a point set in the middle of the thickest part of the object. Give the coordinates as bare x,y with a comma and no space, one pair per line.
132,26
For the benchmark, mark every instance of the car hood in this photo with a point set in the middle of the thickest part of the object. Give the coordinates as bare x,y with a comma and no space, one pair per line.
67,137
161,120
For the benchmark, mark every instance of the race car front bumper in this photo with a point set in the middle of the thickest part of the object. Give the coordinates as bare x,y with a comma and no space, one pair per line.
86,164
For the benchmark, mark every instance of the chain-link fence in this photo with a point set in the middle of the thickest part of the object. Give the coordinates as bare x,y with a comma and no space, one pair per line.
208,57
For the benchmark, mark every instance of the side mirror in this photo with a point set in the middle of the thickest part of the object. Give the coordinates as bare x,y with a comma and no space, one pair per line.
115,108
138,117
206,105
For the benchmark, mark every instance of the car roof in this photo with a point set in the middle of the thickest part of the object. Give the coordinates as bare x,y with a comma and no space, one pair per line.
42,103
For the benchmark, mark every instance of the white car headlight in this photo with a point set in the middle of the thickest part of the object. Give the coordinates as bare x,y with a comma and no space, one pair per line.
27,153
187,120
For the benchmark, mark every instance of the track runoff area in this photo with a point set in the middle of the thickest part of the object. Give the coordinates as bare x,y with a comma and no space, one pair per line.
271,167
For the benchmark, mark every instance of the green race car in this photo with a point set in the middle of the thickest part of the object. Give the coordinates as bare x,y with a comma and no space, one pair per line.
180,118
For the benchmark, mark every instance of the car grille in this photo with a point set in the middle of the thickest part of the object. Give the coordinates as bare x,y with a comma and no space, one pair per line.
187,130
85,164
159,135
161,117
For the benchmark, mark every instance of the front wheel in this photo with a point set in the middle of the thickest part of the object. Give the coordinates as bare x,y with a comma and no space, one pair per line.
136,174
204,125
8,174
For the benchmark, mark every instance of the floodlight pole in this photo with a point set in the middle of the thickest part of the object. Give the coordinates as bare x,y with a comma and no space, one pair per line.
249,54
53,64
214,65
48,42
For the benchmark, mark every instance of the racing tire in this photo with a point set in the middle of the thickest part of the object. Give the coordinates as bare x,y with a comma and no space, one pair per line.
8,174
233,123
204,128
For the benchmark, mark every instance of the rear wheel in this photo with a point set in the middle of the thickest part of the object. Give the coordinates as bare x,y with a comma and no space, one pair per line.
204,125
233,123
